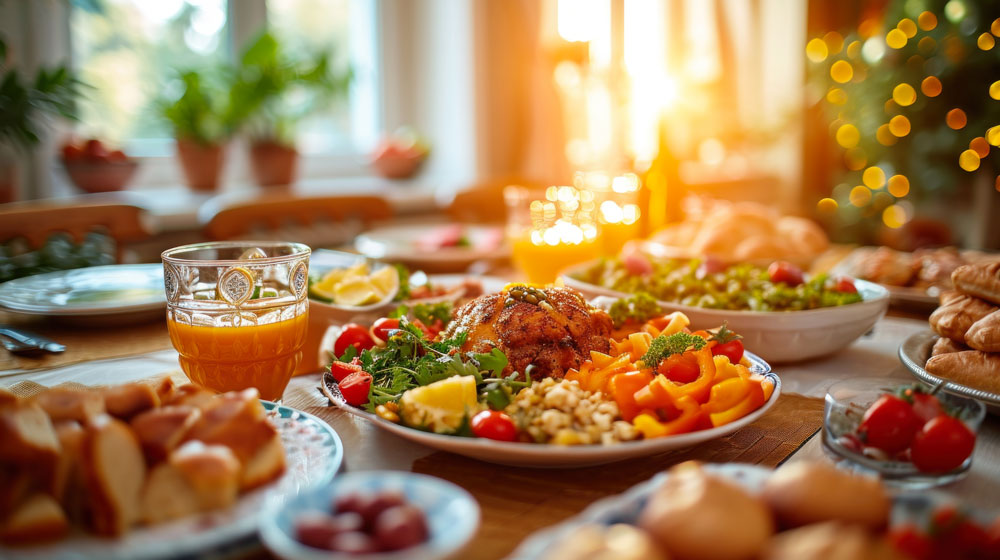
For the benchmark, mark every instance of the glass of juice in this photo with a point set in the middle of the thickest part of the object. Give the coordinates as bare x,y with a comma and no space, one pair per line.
237,312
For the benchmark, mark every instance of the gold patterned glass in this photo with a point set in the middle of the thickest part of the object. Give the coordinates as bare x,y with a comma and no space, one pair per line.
237,312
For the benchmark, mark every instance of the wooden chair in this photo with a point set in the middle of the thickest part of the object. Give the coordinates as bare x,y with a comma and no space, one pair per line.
36,222
483,203
290,215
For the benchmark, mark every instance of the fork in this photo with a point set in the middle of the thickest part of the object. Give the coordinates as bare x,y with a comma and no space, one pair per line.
18,341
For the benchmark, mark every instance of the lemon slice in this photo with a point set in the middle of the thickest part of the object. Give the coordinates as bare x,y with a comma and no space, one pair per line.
442,405
355,292
386,281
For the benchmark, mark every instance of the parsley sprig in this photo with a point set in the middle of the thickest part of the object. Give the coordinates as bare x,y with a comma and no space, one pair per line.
662,347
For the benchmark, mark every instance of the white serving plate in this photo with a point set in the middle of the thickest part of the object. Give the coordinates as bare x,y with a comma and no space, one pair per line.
452,515
313,454
398,244
559,456
778,336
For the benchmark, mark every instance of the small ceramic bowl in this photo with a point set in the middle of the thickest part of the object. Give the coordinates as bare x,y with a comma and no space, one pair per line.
846,403
452,515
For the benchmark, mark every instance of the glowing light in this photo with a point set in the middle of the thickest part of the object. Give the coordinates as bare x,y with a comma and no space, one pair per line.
993,135
890,107
969,160
835,41
904,94
980,146
711,151
908,27
841,71
986,41
931,86
854,49
860,196
873,178
899,126
848,136
578,20
927,45
997,184
995,27
836,96
873,50
899,186
927,21
956,119
995,90
884,136
827,206
895,39
816,50
954,11
894,216
855,159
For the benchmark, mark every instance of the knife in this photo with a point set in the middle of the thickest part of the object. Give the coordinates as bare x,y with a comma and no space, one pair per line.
32,339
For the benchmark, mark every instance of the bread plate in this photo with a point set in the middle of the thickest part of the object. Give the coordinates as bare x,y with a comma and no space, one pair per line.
778,336
908,297
626,507
558,456
313,454
915,351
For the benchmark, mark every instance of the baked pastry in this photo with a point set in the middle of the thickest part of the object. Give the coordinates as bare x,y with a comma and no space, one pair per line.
194,478
189,395
953,319
947,346
161,430
980,279
697,516
804,493
6,397
37,518
972,368
114,473
69,403
829,541
29,441
984,334
125,401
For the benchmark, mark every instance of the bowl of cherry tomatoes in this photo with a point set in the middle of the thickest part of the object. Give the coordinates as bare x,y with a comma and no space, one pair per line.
913,436
93,168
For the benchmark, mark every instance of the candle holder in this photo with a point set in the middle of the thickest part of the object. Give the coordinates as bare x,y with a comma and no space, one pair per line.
551,229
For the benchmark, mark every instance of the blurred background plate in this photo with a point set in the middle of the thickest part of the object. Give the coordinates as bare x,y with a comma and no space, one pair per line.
119,293
425,246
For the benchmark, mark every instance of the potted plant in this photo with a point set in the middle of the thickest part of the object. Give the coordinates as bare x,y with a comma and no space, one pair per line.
24,105
271,92
201,131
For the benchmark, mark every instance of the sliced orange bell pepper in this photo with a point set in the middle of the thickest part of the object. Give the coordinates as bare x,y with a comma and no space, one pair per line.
690,415
623,386
659,393
700,387
754,400
727,394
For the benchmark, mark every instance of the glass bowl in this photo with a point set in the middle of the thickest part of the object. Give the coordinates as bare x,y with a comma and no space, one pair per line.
846,403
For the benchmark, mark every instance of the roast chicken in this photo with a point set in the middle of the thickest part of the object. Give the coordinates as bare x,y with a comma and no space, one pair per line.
553,328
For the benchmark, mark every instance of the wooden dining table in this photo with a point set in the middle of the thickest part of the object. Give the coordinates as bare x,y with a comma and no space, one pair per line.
516,501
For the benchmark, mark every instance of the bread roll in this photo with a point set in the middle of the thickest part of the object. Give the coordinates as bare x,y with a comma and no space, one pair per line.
954,319
28,440
195,478
38,519
971,368
125,401
68,403
6,397
114,473
697,516
981,280
984,334
161,430
830,541
947,346
804,493
190,395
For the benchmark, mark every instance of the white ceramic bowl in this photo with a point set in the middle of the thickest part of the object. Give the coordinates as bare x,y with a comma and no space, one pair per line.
777,336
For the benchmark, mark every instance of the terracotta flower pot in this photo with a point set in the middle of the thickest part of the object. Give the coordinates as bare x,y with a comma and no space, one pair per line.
273,164
8,182
201,163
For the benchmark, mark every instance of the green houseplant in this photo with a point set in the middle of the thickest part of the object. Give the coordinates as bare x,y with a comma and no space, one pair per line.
271,92
25,103
198,118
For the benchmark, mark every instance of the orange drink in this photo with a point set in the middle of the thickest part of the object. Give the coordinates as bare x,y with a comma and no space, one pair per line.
237,313
542,263
232,358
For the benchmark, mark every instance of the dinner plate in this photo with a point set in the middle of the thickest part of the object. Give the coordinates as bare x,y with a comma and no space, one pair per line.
778,336
113,292
558,456
914,353
899,296
313,454
400,244
907,508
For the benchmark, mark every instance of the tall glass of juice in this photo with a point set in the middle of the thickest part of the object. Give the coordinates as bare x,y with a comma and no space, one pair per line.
237,312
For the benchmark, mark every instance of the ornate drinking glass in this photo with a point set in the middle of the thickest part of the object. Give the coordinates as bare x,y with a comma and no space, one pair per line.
237,312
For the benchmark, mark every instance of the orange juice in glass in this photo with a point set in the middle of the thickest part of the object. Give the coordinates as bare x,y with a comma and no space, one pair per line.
237,313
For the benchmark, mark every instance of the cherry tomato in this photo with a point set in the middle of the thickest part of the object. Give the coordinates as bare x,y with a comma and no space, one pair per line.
911,542
926,406
680,368
785,272
637,264
889,424
339,370
355,388
845,285
493,424
382,328
354,335
942,444
732,350
709,265
430,332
